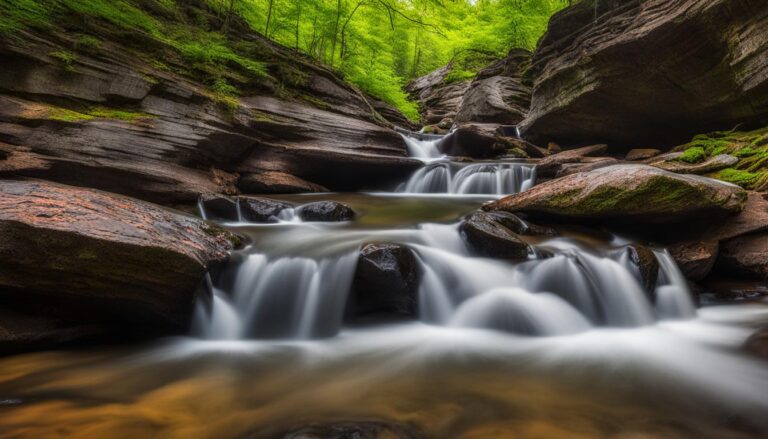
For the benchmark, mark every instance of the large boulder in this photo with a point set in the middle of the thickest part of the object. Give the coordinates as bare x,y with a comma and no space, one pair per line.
695,258
473,140
261,210
490,235
498,94
325,211
628,193
79,257
386,281
439,98
649,72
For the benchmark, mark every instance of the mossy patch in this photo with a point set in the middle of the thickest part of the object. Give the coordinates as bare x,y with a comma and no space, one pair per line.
694,154
66,115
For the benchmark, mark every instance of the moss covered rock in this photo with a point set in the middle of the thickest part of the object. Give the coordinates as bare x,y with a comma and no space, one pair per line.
628,193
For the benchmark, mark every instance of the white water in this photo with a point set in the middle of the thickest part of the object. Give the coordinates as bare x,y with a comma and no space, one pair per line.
300,289
473,179
424,150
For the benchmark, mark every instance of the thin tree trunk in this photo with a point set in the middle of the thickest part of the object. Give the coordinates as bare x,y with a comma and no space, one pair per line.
269,18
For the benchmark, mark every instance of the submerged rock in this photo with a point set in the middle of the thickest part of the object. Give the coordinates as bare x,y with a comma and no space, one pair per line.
386,281
628,193
651,72
325,211
218,208
488,235
93,258
261,210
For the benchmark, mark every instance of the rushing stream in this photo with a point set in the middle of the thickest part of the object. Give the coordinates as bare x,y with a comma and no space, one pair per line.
566,344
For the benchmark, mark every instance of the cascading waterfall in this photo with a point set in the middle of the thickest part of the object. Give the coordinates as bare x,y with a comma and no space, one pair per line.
425,150
301,292
472,179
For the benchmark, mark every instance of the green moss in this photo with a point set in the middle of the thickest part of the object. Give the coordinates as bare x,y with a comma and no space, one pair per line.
65,115
736,176
66,58
88,43
16,15
694,154
517,152
111,113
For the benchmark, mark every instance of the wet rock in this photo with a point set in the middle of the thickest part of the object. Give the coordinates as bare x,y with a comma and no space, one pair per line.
712,164
628,193
95,258
695,258
261,210
325,211
550,166
218,208
674,69
487,235
529,148
757,344
753,219
473,140
641,154
745,256
644,261
386,280
273,182
518,226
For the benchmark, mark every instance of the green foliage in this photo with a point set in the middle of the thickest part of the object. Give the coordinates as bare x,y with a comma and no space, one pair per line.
16,15
66,57
66,115
210,50
694,154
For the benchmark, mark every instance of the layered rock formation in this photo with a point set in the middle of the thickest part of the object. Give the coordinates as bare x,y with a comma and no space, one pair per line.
649,72
115,120
439,99
91,263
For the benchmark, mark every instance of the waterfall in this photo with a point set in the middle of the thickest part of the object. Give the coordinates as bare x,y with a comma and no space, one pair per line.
425,150
472,179
299,290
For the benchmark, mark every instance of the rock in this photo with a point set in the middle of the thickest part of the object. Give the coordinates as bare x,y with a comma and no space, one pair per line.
326,211
93,258
754,218
179,138
641,154
695,258
488,236
757,344
553,148
473,140
529,148
712,164
745,256
439,100
261,210
498,94
386,280
651,72
644,262
218,208
272,182
628,193
550,166
518,226
587,164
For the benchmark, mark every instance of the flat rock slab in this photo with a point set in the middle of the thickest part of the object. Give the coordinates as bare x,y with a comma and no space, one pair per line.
628,193
103,258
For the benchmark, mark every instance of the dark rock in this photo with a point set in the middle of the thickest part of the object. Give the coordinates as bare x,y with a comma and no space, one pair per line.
745,256
753,219
326,211
550,166
757,344
386,280
487,235
273,182
93,258
218,208
261,210
695,258
439,100
645,264
473,140
528,147
641,154
649,72
628,193
518,226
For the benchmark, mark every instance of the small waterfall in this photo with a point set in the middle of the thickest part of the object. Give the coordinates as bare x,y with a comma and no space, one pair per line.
473,179
425,150
201,209
673,297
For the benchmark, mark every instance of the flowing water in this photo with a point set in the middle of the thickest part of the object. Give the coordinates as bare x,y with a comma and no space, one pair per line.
568,343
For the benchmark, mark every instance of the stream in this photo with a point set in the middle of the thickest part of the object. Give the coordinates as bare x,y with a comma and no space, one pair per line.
565,344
